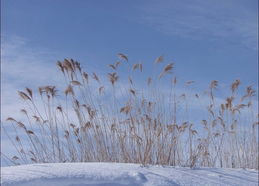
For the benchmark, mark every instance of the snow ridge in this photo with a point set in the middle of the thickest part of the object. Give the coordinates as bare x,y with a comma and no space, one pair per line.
120,174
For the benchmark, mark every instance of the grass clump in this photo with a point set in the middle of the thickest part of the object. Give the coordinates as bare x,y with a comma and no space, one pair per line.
103,120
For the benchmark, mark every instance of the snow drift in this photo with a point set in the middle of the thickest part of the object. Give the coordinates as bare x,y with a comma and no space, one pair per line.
119,174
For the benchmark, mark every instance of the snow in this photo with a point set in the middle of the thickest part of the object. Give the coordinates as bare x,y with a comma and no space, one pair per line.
120,174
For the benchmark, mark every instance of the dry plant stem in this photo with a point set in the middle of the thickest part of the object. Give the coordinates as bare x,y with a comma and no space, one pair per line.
98,119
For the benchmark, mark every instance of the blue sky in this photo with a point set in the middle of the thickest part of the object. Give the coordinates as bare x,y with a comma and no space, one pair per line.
206,39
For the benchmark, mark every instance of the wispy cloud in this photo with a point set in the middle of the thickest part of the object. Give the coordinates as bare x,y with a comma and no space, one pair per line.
212,20
23,66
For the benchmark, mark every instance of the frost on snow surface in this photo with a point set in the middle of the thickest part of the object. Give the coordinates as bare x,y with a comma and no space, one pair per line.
119,174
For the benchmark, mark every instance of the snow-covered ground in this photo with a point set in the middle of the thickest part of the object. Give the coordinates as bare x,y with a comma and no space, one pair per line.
119,174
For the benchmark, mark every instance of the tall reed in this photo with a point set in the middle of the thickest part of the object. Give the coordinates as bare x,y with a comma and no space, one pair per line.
95,119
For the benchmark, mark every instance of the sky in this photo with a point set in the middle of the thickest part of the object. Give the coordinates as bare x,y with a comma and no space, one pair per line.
214,39
207,40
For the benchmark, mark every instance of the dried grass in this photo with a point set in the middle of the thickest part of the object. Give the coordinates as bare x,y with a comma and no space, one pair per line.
149,128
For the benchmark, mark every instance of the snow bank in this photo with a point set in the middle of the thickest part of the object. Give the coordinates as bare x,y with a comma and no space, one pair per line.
119,174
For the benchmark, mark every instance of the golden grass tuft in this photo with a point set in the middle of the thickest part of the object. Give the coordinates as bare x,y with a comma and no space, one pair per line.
132,124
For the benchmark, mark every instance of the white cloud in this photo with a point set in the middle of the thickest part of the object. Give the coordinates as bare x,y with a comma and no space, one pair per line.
23,66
